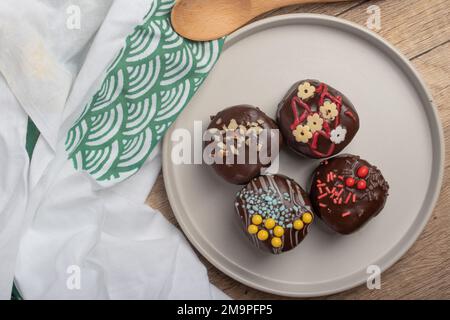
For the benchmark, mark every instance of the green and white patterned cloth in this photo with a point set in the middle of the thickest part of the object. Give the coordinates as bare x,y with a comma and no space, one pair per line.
147,86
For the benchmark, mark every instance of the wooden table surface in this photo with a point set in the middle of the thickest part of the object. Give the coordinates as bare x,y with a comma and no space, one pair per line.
420,29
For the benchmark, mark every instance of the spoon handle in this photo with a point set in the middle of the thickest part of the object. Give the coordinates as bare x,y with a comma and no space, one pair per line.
261,6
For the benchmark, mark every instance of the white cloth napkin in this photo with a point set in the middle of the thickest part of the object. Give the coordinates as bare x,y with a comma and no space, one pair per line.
78,238
13,183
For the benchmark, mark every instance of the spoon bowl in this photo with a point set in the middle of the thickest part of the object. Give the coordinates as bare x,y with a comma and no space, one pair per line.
203,20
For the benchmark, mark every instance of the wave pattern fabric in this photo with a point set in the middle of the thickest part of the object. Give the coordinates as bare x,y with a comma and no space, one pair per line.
148,84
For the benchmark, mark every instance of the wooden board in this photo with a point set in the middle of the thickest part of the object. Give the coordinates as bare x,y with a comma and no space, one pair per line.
420,29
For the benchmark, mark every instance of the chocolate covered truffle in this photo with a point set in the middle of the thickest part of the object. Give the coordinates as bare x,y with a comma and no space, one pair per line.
316,120
240,142
347,191
275,212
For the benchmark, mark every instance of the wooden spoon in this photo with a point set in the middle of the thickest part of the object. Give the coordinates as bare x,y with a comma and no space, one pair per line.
203,20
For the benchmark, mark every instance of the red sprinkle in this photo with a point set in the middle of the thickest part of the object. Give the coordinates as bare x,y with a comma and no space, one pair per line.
321,185
328,190
345,214
340,201
340,186
339,193
320,190
351,115
322,205
322,196
341,177
354,198
348,198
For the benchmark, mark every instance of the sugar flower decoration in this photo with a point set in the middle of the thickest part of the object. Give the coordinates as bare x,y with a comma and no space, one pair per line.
314,122
306,91
329,110
302,134
337,135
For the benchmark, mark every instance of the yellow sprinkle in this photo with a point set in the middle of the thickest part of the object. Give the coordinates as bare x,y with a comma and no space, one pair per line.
270,223
298,224
257,219
278,231
263,235
276,242
252,229
307,217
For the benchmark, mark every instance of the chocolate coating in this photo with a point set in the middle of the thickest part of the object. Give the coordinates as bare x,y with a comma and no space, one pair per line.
279,198
347,191
316,120
245,123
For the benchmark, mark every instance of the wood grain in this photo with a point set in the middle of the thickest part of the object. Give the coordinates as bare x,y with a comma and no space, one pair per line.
420,29
201,20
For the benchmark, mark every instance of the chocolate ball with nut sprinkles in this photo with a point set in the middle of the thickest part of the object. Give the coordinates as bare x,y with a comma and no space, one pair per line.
316,120
275,212
241,141
347,191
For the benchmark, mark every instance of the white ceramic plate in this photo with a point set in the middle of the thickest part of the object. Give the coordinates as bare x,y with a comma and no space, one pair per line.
400,133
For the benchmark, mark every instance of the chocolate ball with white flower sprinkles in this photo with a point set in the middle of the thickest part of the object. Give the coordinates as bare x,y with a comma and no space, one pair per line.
240,141
275,212
316,120
347,191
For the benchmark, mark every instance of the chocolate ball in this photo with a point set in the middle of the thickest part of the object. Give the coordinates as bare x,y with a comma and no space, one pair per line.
275,212
347,191
316,120
240,142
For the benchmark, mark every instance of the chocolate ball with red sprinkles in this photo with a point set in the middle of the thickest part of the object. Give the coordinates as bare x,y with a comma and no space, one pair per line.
347,191
316,120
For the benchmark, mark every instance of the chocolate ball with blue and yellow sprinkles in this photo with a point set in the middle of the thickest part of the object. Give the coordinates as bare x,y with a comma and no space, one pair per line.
275,212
